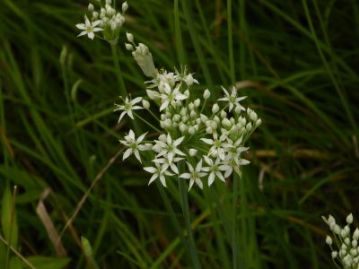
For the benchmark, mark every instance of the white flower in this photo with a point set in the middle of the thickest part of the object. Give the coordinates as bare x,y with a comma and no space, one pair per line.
194,175
218,146
215,169
89,28
169,163
232,99
128,106
158,171
170,97
134,145
166,146
233,157
189,80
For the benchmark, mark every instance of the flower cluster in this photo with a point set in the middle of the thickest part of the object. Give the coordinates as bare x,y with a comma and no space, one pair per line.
197,139
347,252
103,17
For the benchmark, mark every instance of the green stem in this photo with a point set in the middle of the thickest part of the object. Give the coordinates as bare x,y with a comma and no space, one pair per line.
234,221
189,242
118,72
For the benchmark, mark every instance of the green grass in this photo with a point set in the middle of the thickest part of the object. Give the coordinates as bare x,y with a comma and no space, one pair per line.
58,131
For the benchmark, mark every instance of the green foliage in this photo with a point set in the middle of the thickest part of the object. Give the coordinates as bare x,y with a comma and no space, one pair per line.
57,130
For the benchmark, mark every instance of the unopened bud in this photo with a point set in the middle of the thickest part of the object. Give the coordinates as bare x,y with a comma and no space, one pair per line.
328,240
129,46
206,94
124,7
129,37
91,7
215,108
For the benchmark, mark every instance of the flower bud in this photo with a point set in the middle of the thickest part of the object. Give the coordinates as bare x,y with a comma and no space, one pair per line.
226,123
328,240
206,94
124,7
191,130
90,7
215,108
356,234
129,46
349,218
197,102
144,59
129,37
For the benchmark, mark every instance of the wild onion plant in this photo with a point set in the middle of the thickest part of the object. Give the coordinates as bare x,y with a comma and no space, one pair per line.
198,140
343,243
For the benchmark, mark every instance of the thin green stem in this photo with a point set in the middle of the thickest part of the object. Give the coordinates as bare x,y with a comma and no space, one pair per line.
118,72
191,247
234,221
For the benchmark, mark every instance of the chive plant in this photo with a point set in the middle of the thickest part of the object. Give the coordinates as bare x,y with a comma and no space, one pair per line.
199,141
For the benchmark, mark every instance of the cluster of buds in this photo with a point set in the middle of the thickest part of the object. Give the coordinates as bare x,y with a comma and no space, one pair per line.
103,17
346,253
197,138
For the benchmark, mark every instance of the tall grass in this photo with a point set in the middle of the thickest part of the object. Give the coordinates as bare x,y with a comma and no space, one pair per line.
299,60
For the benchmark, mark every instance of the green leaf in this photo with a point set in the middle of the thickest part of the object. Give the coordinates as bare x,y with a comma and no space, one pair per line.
40,262
8,218
15,263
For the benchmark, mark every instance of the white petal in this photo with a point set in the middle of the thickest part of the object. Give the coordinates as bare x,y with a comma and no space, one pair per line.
220,176
97,29
185,175
151,170
131,134
137,155
82,33
190,184
174,168
178,141
243,162
164,105
207,141
136,100
129,113
153,178
91,35
163,180
141,137
81,26
211,179
127,154
199,183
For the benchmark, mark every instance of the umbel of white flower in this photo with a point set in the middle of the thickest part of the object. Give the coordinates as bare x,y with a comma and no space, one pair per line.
343,243
103,18
198,140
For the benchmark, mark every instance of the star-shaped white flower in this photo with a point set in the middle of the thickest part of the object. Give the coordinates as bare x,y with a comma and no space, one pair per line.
89,28
158,171
170,163
218,146
194,175
134,145
232,99
166,146
127,107
233,156
215,169
170,97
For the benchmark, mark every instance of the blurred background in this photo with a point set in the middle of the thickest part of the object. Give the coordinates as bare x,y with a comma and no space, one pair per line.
297,62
